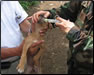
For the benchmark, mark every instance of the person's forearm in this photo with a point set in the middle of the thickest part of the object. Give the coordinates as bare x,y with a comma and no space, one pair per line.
8,52
67,11
79,39
74,34
25,26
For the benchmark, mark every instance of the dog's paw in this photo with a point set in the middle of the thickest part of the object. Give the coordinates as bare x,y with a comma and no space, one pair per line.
20,71
20,68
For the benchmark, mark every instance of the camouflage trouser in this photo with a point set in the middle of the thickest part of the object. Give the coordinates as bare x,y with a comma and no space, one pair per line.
81,62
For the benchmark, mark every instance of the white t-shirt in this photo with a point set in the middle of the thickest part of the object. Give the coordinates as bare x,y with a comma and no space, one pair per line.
12,14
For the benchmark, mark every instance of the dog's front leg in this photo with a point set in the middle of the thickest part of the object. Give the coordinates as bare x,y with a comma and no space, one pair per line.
23,59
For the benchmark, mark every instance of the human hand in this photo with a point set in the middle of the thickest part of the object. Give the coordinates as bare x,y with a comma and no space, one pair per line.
35,16
34,47
64,25
32,50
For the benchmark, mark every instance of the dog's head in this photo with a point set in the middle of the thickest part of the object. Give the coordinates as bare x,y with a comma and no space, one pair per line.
42,22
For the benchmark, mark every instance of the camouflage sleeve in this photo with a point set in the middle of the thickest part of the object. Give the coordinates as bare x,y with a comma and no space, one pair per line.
79,39
69,10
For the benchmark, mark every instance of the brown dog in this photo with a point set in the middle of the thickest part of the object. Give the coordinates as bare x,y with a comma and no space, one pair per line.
29,40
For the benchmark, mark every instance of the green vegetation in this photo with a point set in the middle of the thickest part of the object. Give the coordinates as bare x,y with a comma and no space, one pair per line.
27,4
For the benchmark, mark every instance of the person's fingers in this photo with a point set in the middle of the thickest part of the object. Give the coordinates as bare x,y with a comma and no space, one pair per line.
33,50
37,17
42,34
42,31
61,19
59,24
34,18
37,43
33,27
68,20
41,13
46,14
28,18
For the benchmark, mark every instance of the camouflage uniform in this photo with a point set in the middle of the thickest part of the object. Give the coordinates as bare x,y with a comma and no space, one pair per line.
80,55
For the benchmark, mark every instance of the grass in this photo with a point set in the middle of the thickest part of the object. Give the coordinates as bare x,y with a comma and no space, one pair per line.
27,4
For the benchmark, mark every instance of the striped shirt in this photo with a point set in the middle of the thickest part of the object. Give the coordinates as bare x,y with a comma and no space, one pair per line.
12,14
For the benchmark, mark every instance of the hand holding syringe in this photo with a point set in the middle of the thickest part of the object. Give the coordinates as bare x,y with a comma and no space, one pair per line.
53,21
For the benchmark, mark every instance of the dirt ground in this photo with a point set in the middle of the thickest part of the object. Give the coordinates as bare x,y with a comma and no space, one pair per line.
54,60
